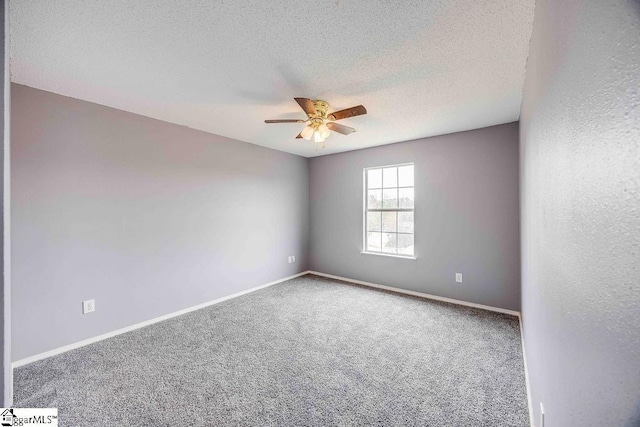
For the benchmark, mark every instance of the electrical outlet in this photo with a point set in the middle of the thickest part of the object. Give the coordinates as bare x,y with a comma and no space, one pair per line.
541,415
458,277
289,259
88,306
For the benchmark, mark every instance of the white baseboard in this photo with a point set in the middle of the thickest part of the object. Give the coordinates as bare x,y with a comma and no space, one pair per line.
419,294
79,344
526,374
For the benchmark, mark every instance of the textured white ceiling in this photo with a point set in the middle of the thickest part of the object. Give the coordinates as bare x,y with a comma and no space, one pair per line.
421,68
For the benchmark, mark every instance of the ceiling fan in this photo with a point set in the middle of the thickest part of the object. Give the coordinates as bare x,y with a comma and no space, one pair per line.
320,123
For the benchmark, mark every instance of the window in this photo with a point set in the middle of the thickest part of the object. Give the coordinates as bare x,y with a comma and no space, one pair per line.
389,199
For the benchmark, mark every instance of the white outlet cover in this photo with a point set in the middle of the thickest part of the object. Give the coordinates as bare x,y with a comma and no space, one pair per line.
459,277
88,306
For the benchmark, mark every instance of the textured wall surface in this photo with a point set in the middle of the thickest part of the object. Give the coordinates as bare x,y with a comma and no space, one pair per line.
5,291
580,202
466,217
144,216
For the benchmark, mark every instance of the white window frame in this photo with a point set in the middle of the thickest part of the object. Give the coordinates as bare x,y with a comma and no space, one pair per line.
365,210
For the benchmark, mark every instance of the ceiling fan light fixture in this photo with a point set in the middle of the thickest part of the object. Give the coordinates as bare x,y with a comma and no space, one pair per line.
324,130
317,136
320,124
307,132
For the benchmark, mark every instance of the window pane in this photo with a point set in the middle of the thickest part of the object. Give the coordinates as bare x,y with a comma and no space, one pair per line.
389,243
405,198
390,198
374,199
405,176
390,177
405,222
374,242
389,221
374,178
374,222
405,244
390,189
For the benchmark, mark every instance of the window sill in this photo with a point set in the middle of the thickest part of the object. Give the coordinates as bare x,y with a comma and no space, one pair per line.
389,255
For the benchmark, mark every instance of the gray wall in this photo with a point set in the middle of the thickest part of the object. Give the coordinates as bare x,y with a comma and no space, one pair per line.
5,274
144,216
580,201
466,216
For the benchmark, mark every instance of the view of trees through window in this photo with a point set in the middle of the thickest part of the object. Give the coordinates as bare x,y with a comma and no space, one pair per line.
389,210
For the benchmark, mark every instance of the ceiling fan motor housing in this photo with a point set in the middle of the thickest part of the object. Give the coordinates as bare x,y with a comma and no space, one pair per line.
321,108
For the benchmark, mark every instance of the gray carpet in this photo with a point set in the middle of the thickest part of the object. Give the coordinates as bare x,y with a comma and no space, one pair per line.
307,352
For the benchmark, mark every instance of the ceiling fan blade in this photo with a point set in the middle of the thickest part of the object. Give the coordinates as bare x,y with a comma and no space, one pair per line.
336,127
306,105
285,121
349,112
